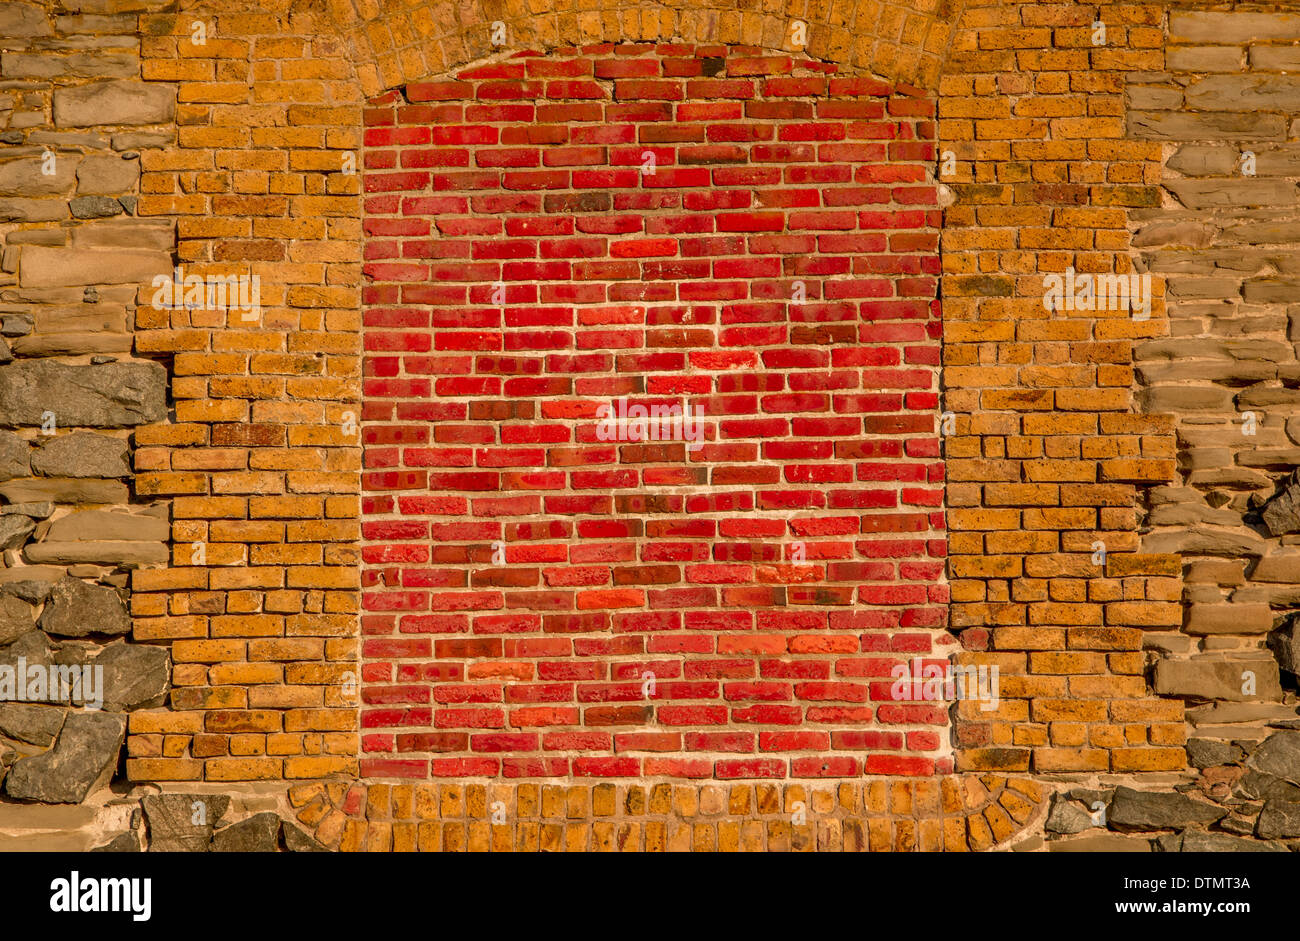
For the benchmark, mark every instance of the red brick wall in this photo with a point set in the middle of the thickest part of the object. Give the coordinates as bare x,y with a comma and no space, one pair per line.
777,271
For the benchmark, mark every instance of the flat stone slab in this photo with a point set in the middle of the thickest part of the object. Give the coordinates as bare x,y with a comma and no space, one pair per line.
52,842
41,266
108,526
82,454
19,817
1218,679
105,395
23,19
114,102
1132,810
97,553
25,177
65,490
1101,843
1232,27
1202,841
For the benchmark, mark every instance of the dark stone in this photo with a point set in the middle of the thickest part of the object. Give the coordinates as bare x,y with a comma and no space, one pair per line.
182,823
1201,841
1101,843
1169,843
31,591
1066,817
17,617
1278,820
1279,756
1281,514
135,676
31,723
258,834
1158,810
94,207
14,453
1285,644
1256,786
107,396
77,609
34,647
76,652
84,757
126,842
1208,752
1090,796
1241,826
15,530
297,840
16,325
82,454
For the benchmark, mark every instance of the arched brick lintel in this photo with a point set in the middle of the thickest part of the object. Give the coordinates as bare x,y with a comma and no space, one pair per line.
393,42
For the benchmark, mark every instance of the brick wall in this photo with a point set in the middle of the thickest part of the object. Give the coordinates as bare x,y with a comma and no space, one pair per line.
745,237
260,460
1050,448
768,581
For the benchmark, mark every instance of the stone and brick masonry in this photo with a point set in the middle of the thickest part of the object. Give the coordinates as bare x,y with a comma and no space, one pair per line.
366,564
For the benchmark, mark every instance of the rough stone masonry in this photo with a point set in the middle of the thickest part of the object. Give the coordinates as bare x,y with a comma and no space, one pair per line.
310,312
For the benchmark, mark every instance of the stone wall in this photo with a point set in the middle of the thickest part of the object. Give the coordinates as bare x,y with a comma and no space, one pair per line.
1225,114
78,397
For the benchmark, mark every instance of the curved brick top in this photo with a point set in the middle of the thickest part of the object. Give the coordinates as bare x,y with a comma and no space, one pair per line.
393,42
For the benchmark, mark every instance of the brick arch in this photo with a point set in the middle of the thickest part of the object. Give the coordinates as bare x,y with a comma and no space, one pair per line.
393,42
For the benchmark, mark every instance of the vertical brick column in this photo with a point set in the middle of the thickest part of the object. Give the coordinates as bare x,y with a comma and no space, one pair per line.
261,460
1043,471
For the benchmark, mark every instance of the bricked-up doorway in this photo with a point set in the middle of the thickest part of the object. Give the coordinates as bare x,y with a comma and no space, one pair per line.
740,233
